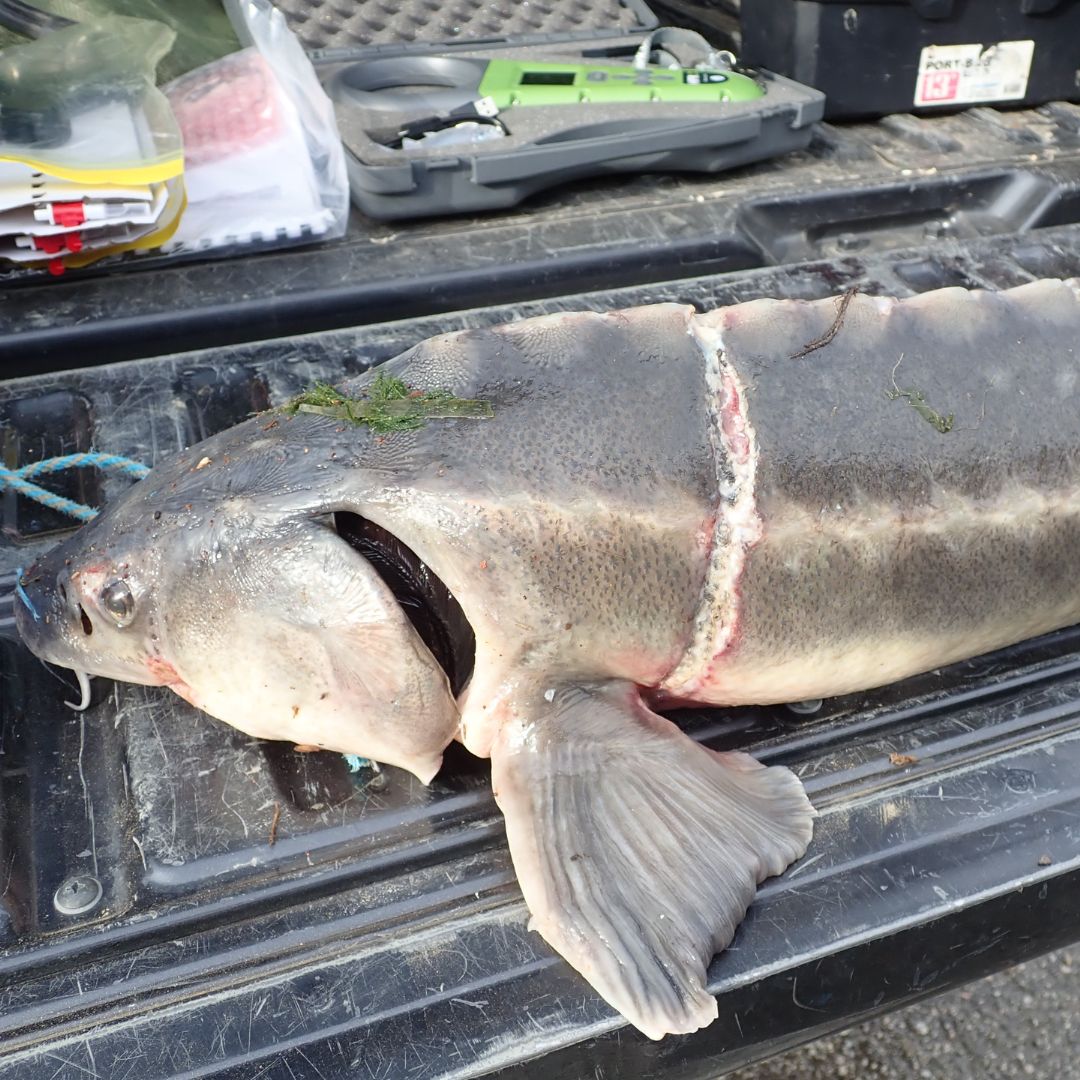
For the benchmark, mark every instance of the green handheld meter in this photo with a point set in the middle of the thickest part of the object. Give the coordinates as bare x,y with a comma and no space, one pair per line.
515,82
440,84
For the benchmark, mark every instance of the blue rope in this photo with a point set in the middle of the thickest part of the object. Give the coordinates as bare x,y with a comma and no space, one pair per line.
93,459
17,479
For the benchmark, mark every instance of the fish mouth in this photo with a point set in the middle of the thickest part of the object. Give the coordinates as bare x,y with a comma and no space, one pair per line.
428,604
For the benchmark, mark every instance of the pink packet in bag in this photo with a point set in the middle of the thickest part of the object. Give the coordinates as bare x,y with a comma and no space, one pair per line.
228,107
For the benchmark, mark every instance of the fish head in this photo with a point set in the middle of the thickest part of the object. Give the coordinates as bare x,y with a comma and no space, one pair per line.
89,604
267,620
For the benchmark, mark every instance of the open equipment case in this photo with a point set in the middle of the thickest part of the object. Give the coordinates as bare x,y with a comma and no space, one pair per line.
360,45
149,927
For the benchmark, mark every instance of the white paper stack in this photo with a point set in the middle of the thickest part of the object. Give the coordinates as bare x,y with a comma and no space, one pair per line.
43,217
48,218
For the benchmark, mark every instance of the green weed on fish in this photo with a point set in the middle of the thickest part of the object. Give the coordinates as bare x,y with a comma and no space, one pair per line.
388,405
916,400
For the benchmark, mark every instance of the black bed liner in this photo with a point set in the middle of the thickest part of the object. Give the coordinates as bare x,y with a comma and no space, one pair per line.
382,933
901,182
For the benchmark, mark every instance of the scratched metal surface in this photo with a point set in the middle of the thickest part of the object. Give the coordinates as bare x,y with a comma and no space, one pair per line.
904,182
382,933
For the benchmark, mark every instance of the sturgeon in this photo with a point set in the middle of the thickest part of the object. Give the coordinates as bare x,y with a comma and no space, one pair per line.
761,503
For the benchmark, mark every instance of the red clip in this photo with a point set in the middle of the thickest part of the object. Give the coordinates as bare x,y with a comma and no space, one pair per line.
68,214
51,245
56,267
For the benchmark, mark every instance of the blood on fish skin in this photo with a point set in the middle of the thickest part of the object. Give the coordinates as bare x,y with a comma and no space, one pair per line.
162,669
732,422
167,675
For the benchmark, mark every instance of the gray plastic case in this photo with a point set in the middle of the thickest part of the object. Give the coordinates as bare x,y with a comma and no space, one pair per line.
333,29
546,146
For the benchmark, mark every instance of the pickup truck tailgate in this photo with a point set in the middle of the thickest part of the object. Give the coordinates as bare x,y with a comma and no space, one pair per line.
269,913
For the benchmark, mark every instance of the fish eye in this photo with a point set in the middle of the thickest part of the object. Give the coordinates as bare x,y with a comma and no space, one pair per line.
117,600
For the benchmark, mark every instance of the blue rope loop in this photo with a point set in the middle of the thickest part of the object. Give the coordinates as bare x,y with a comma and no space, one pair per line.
18,479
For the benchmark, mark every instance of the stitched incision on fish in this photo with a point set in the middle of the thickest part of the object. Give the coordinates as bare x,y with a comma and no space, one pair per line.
737,525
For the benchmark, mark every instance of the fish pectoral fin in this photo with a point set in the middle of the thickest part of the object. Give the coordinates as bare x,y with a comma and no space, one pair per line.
638,851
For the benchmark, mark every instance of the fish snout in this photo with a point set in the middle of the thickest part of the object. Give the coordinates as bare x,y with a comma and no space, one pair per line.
48,615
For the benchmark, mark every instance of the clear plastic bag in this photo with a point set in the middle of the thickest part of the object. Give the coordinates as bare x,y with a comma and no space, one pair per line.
264,161
203,31
81,104
279,45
